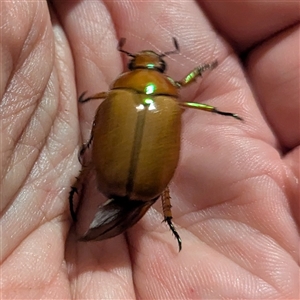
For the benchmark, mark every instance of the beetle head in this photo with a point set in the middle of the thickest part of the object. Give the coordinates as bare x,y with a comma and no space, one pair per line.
147,59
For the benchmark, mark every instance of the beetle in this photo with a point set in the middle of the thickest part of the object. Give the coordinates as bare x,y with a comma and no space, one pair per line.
135,142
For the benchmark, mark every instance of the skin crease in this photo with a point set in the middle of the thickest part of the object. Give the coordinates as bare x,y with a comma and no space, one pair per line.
235,194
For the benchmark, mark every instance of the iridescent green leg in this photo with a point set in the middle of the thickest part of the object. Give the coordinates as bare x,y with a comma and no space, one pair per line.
191,77
197,72
209,108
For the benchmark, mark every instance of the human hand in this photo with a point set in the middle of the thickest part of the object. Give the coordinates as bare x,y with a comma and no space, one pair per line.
236,190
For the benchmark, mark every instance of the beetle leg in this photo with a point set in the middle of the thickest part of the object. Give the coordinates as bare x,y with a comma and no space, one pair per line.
71,204
101,95
166,203
74,190
81,99
85,146
198,71
191,77
209,108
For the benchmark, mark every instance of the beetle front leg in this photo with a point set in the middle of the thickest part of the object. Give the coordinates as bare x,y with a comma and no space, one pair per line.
101,95
209,108
166,203
197,72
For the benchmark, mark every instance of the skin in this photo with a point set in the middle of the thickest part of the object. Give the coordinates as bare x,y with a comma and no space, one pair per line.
235,194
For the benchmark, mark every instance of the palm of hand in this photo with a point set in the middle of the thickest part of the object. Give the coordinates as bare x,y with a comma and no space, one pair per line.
234,195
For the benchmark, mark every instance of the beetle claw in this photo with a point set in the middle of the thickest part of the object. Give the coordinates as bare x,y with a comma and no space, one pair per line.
81,98
168,220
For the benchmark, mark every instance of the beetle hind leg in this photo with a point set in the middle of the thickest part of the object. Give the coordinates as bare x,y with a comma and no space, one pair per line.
166,203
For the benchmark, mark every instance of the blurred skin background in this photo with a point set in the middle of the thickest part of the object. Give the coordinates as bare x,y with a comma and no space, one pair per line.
235,194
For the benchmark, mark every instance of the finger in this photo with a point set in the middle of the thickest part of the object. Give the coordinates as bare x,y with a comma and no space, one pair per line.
274,73
246,23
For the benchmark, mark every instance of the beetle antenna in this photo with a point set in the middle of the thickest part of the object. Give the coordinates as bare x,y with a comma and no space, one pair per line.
173,51
121,43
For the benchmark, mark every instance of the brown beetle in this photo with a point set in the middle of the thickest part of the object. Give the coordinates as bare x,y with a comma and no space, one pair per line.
135,142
